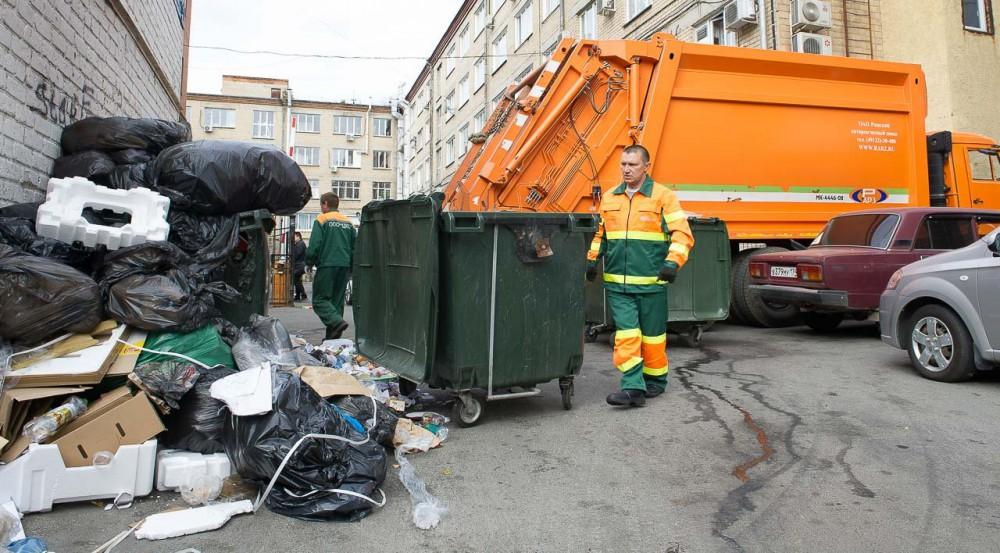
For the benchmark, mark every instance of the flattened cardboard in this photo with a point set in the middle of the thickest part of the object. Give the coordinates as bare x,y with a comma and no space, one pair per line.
87,366
330,382
127,357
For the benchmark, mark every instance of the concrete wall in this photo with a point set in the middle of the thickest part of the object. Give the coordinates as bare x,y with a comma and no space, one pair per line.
962,67
62,61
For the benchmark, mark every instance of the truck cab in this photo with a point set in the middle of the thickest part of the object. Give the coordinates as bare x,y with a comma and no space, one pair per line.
972,172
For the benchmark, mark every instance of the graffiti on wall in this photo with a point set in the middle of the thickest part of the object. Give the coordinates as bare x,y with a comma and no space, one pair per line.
60,107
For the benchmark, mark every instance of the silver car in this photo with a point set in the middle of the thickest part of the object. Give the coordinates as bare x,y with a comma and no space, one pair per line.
945,311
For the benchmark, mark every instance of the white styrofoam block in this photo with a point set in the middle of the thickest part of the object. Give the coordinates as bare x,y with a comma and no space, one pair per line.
172,524
39,478
175,468
61,216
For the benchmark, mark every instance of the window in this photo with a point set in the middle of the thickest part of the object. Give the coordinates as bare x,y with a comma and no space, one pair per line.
479,121
551,48
870,230
380,190
977,16
304,221
479,19
984,165
347,124
263,124
449,104
306,122
463,91
380,159
449,151
588,21
464,41
497,4
499,50
314,184
218,117
463,140
523,25
714,31
944,233
479,74
343,157
524,73
635,7
549,6
305,155
383,126
449,61
347,189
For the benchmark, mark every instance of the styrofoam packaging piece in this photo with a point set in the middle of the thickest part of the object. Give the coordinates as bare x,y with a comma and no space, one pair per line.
175,467
39,478
190,521
61,216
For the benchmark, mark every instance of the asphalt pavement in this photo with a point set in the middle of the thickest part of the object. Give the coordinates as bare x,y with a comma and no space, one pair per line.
767,440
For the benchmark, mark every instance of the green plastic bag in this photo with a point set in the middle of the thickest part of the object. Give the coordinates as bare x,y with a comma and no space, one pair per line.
204,345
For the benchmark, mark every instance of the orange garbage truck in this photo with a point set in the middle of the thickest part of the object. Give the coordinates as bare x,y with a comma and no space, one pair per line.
773,143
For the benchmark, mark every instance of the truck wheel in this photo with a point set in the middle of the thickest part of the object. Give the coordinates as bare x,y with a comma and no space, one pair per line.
822,322
939,345
754,310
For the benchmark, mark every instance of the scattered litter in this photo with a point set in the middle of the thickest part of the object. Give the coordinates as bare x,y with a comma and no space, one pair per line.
247,392
28,545
200,489
411,437
427,509
40,429
190,521
121,501
10,523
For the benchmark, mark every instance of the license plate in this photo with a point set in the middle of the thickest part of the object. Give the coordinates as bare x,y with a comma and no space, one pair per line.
784,272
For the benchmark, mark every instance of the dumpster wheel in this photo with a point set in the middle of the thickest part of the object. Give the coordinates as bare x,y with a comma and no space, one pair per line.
693,337
566,389
467,410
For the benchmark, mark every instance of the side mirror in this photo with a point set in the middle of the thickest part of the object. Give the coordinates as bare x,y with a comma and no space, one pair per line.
995,246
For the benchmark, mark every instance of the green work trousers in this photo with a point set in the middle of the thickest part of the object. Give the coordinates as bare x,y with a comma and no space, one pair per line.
329,289
641,339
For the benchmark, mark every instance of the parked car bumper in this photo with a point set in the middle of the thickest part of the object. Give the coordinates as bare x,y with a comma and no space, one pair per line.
888,318
793,295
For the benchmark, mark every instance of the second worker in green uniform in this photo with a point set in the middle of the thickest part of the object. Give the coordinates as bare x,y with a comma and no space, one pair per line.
331,251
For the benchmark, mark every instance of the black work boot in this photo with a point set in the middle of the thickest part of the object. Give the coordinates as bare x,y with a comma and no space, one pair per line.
628,398
338,330
330,331
653,392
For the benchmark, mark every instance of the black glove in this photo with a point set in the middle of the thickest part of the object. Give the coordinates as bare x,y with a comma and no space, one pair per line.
591,271
668,272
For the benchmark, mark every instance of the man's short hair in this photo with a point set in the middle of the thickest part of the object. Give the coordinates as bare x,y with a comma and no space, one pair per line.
637,149
330,199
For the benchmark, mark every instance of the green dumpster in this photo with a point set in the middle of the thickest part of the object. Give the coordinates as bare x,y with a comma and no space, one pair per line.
489,302
248,269
699,296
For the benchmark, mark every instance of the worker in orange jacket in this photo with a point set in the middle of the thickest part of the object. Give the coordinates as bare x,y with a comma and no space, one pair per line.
644,238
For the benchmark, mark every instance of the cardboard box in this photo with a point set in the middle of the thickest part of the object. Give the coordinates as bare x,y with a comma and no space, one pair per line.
86,366
118,418
17,404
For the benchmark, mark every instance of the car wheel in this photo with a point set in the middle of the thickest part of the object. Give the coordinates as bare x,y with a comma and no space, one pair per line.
939,345
822,322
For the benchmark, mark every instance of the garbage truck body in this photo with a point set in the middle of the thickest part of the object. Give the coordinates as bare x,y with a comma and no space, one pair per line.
773,143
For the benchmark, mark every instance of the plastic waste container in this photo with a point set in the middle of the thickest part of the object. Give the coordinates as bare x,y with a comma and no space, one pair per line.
248,268
472,302
700,295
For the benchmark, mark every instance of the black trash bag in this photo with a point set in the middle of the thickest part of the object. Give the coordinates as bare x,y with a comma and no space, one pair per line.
41,298
257,445
360,407
167,380
19,233
25,211
209,239
264,339
177,301
218,177
83,164
130,156
127,177
148,258
120,133
197,423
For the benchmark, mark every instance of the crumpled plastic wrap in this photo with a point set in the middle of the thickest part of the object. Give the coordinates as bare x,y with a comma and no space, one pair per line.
427,509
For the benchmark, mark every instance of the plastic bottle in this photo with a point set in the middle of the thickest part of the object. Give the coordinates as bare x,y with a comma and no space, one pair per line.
45,426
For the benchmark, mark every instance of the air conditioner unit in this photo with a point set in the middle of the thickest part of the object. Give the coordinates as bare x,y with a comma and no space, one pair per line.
351,137
810,43
209,128
739,14
333,168
703,34
811,15
607,7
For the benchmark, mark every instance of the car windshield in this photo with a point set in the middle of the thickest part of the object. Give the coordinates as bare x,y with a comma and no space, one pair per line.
872,230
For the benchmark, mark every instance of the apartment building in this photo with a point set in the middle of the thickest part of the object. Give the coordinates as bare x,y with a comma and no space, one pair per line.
491,44
959,51
346,148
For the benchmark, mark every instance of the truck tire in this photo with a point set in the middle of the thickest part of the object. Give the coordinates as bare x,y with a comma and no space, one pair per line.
736,315
755,311
952,344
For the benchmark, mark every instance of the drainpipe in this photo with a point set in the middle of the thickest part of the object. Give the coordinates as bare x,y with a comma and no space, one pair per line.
289,137
761,27
402,163
368,127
